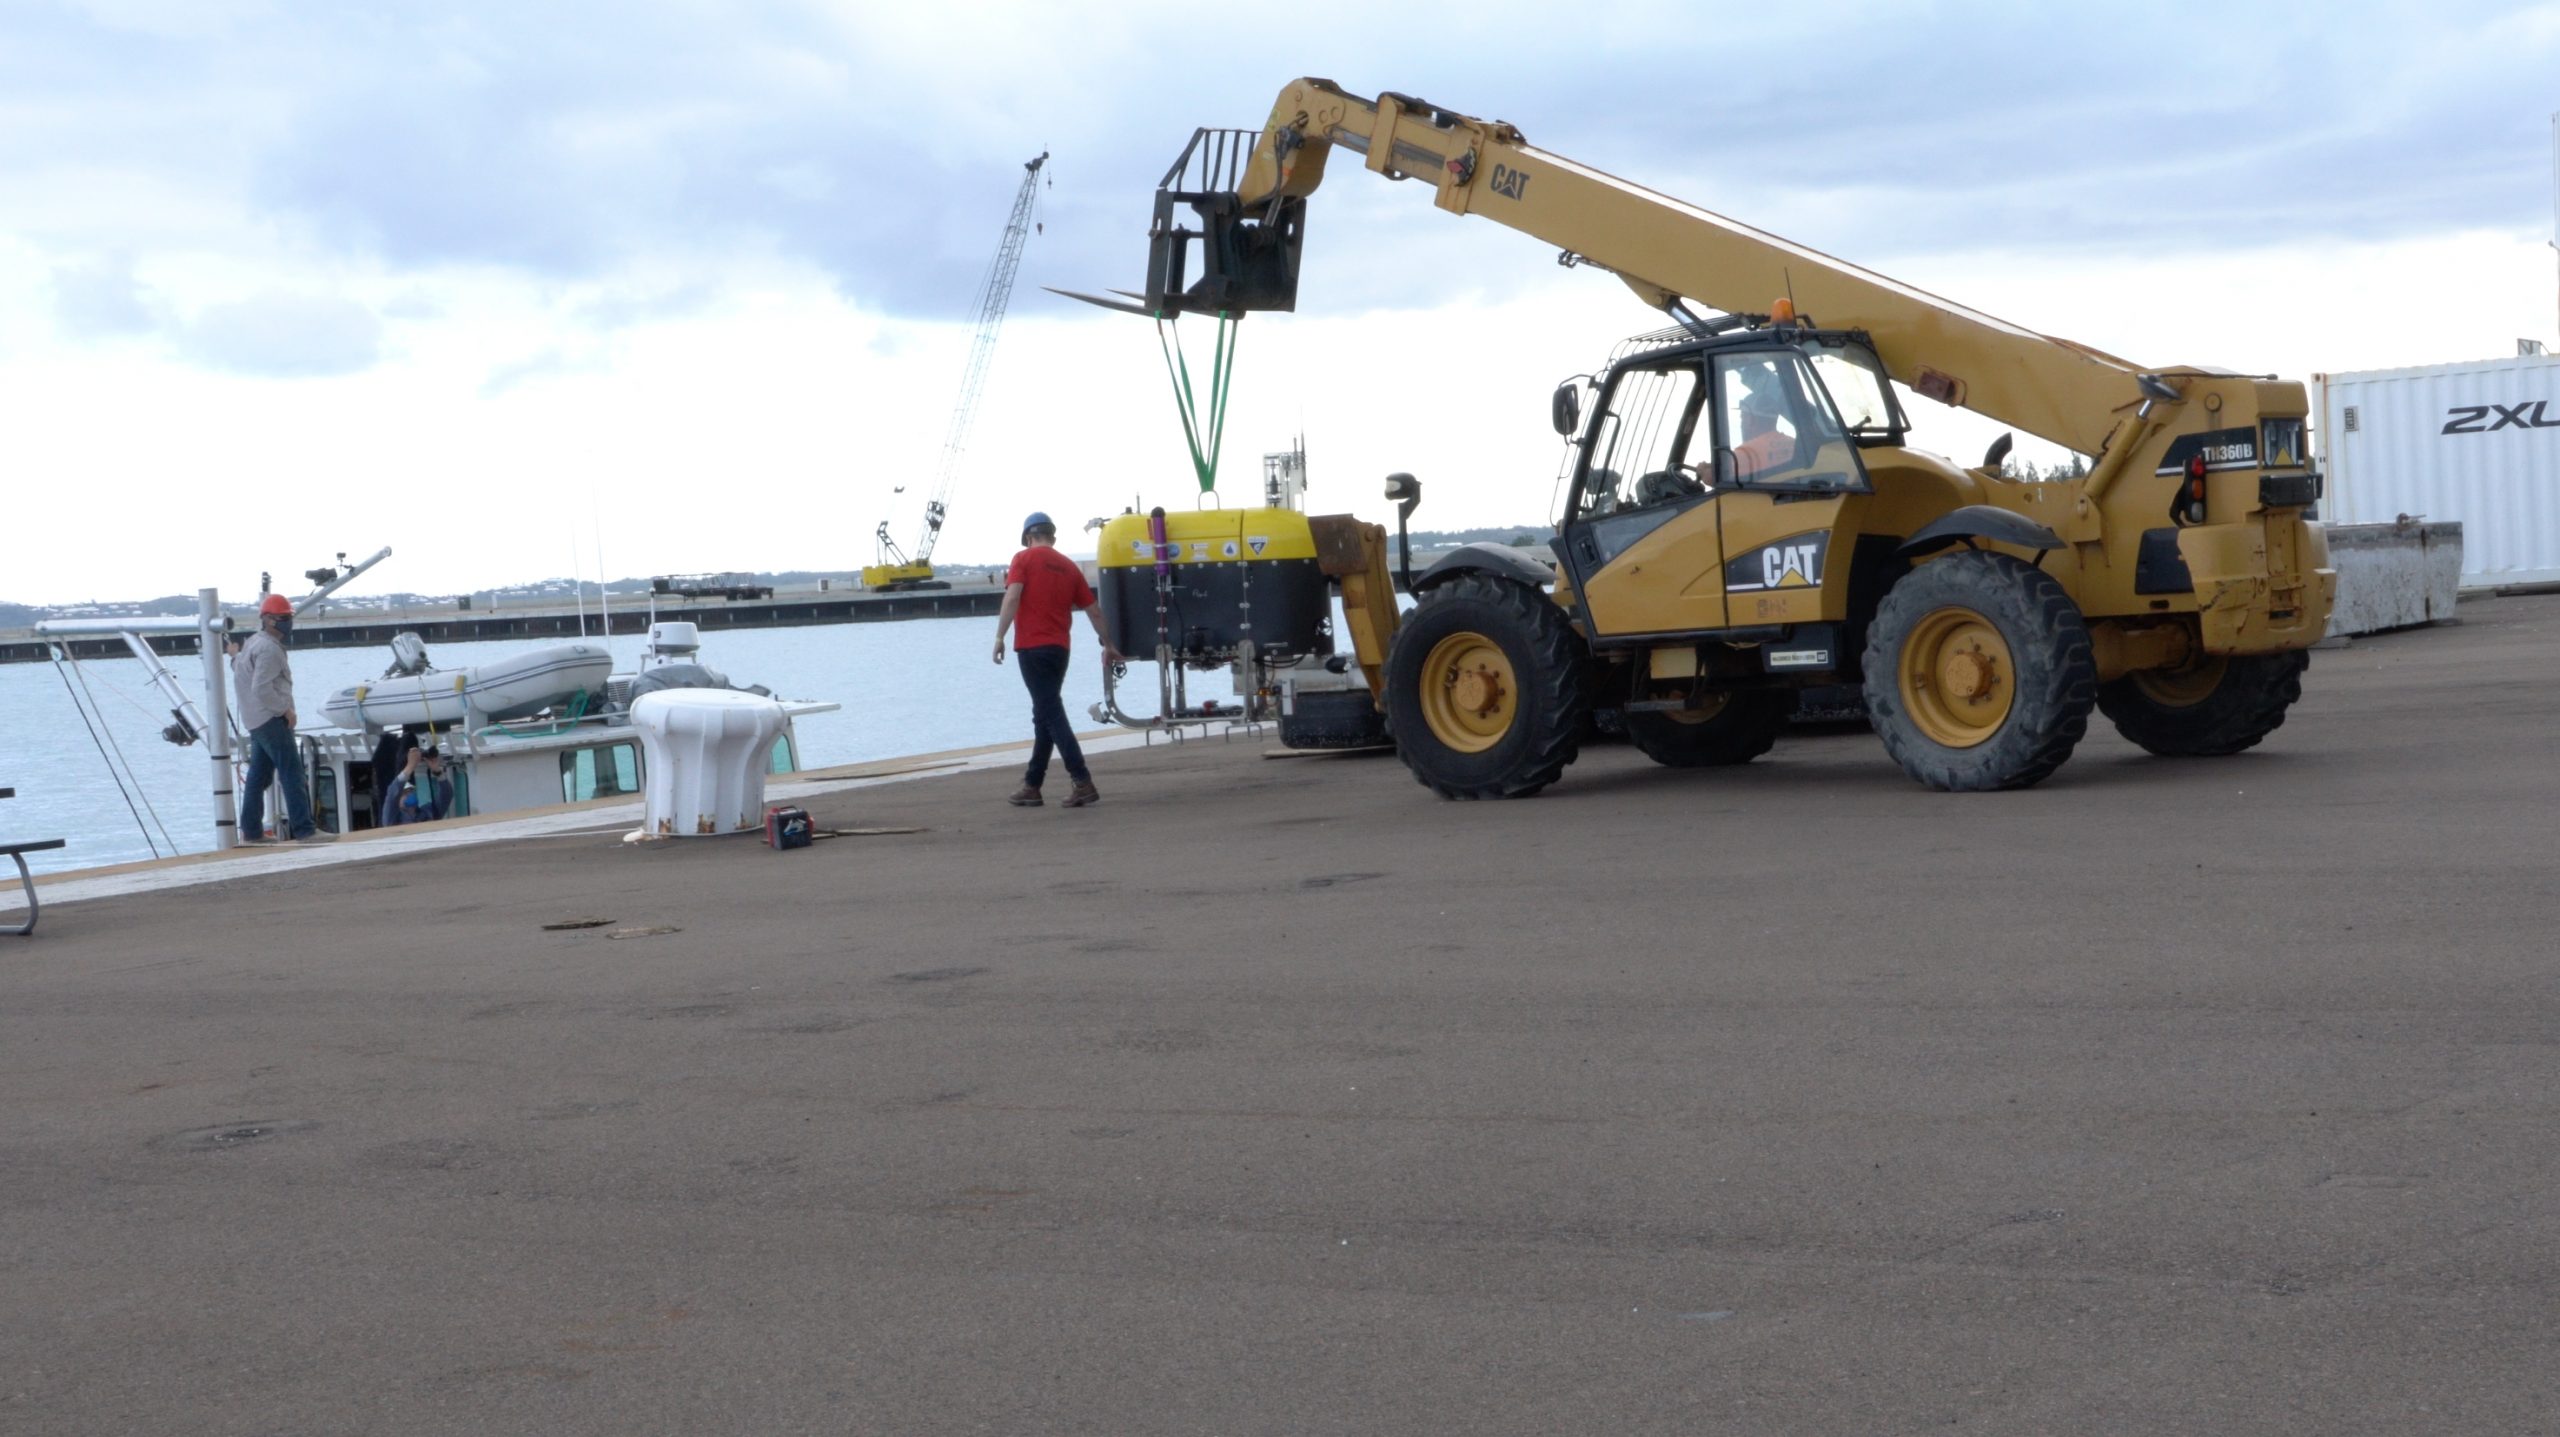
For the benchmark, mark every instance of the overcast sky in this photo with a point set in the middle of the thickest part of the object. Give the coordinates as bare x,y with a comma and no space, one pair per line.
503,284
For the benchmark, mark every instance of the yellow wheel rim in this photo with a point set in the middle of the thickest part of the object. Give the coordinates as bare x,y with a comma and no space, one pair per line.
1958,682
2183,688
1469,694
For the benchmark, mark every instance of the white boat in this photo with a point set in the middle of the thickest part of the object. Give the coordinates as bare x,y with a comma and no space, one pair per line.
550,725
506,688
575,744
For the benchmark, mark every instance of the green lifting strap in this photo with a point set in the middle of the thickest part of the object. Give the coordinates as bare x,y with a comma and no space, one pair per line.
1222,373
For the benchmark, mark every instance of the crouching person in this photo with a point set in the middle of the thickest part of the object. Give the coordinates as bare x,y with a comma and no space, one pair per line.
424,791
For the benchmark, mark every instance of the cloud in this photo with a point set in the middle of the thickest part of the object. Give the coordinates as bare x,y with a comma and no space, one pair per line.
574,143
101,299
282,335
624,309
550,363
415,304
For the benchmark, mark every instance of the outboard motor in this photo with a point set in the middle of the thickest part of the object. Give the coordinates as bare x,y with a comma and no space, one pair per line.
408,656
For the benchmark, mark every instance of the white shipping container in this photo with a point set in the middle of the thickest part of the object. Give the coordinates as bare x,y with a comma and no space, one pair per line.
2477,444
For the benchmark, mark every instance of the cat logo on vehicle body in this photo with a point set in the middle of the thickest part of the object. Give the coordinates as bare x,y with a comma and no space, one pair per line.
1794,562
1507,182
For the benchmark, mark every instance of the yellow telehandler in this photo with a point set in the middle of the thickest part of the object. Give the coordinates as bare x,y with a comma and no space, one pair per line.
1745,519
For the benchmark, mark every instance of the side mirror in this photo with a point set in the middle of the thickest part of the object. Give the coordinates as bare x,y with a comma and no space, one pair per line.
1566,408
1405,492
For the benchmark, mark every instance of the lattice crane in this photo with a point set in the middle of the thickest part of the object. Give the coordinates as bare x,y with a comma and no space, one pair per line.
895,569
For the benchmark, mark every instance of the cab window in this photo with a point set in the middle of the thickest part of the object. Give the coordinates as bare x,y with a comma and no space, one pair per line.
781,759
1777,427
1636,461
599,772
1852,376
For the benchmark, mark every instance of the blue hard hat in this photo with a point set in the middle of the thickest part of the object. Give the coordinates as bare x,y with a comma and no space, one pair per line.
1038,520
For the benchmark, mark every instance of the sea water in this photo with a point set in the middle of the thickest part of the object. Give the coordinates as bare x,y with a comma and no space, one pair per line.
908,687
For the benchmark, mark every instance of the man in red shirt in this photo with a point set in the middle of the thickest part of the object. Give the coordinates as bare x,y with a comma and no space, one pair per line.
1043,590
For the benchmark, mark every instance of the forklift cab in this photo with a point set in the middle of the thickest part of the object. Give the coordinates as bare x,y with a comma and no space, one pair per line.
1698,456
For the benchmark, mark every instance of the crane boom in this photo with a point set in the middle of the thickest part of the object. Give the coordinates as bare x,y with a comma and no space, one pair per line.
1664,248
896,570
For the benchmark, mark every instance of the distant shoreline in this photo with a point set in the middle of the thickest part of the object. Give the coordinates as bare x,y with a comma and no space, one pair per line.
450,623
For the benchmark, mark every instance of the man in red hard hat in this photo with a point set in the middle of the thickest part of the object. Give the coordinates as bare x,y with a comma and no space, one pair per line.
262,694
1045,590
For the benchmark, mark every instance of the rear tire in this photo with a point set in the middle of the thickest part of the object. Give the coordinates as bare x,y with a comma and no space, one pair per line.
1333,719
2217,708
1738,730
1978,673
1484,689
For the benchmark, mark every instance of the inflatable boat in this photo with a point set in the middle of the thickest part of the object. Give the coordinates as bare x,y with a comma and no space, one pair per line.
512,687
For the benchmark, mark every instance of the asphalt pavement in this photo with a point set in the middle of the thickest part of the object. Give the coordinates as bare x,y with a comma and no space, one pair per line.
1274,1095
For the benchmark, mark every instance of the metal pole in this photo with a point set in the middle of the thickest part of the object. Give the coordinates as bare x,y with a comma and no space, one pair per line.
217,717
167,683
317,599
604,596
164,624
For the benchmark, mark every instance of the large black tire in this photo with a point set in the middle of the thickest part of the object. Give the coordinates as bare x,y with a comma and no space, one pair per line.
1999,682
1333,719
1494,653
2218,708
1738,731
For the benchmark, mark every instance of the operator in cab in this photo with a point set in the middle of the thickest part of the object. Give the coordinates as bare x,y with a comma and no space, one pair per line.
1043,592
1767,441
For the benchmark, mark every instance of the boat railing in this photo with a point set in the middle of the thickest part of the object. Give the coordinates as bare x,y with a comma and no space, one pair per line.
580,719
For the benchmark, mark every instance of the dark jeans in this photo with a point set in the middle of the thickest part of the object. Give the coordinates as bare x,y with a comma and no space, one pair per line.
273,755
1044,672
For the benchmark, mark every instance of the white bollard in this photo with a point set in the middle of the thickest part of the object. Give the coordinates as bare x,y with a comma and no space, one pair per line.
705,752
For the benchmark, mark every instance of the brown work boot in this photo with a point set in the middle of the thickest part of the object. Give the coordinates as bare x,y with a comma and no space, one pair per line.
1026,797
1085,794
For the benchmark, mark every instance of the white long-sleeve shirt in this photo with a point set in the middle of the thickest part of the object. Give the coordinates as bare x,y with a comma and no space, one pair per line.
261,680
